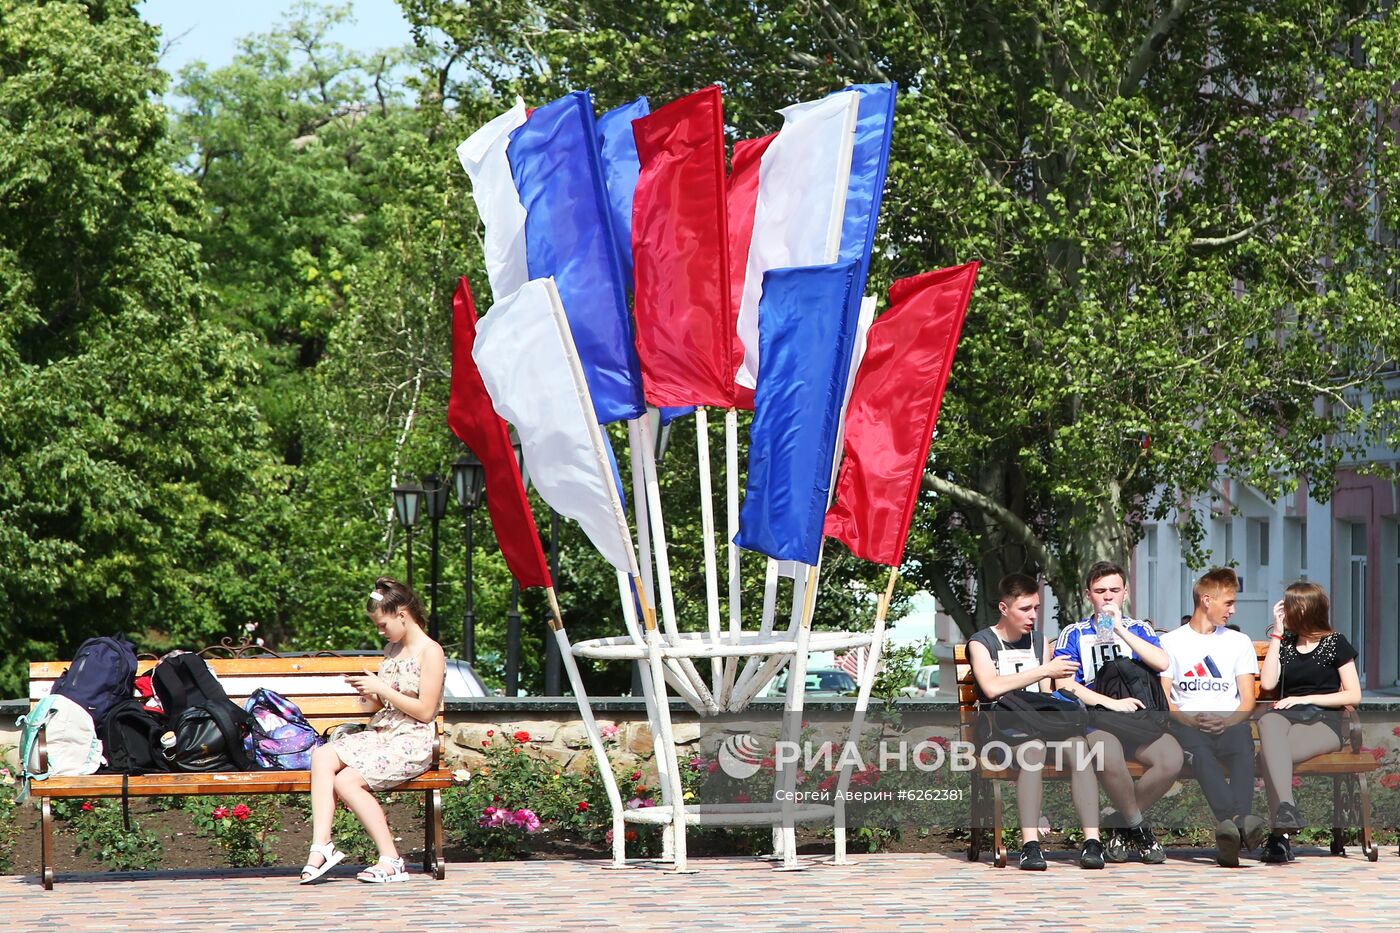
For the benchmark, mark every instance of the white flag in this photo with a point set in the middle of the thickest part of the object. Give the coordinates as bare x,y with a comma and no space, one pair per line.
802,182
525,352
483,156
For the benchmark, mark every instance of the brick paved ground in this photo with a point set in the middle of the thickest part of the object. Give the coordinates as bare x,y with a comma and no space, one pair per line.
879,892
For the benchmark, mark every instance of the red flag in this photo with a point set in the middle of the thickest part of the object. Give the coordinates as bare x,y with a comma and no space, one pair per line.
685,328
473,419
741,203
893,408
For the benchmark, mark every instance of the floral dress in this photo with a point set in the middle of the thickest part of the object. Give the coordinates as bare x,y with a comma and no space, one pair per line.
394,747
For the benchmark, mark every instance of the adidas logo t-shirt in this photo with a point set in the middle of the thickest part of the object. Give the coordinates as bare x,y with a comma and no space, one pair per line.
1204,668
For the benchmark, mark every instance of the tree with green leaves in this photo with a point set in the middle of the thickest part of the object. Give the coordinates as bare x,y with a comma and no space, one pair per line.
1184,212
135,490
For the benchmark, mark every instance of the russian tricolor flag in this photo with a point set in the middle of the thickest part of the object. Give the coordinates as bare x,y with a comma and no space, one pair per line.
817,201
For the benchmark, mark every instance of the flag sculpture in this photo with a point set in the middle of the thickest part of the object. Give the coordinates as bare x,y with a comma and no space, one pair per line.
747,273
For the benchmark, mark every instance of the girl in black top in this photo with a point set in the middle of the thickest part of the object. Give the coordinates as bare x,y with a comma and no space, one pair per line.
1315,671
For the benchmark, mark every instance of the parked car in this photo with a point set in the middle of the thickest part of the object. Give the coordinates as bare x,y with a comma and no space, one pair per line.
820,683
925,682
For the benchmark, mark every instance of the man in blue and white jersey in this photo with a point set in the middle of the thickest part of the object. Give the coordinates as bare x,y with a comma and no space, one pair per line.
1105,587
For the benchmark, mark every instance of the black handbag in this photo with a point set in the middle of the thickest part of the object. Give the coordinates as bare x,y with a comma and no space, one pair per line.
206,741
1302,713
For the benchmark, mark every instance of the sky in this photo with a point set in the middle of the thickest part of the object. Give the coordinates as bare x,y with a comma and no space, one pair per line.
200,30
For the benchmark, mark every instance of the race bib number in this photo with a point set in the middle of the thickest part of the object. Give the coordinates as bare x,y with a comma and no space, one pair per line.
1097,653
1015,661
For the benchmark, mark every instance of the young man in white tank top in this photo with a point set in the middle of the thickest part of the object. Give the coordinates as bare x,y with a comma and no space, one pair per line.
1009,656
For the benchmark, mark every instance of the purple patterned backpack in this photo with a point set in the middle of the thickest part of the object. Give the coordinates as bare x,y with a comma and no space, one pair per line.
284,740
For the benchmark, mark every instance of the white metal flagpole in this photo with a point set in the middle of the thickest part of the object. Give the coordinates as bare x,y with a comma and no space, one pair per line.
707,530
731,488
663,568
753,668
590,727
867,681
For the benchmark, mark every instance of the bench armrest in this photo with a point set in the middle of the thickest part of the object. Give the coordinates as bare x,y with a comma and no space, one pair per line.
1353,721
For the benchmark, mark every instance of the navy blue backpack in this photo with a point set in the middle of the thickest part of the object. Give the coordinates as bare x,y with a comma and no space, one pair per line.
103,673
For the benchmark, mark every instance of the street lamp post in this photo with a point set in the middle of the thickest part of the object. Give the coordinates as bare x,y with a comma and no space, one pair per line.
467,479
513,616
435,498
408,507
513,641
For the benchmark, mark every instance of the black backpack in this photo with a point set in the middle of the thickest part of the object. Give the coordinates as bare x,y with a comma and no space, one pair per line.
131,739
1121,679
1028,713
103,673
209,727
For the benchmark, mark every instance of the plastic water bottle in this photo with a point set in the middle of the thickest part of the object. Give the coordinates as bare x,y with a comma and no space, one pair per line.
1103,627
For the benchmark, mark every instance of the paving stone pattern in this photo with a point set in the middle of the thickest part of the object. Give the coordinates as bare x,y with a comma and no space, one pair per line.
1318,892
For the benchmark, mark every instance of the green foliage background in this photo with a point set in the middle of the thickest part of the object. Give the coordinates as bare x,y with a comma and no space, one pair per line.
224,327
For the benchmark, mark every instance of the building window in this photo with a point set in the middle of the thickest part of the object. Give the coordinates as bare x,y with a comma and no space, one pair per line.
1256,551
1303,550
1295,549
1355,610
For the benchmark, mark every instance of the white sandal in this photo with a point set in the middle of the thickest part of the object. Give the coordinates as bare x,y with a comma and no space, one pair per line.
384,871
330,857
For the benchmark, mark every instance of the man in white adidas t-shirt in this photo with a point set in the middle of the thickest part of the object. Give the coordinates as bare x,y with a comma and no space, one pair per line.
1210,688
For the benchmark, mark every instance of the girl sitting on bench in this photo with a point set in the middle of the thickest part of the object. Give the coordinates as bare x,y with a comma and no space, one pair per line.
396,746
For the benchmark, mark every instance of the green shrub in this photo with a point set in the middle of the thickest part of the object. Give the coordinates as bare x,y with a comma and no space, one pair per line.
99,828
241,829
8,830
510,797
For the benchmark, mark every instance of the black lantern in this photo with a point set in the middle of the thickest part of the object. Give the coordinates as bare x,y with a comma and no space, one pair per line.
435,498
408,508
468,478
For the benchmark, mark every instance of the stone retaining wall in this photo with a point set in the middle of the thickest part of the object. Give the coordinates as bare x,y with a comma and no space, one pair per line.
557,733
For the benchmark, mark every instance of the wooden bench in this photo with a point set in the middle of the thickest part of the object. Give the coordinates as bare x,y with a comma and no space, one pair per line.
1348,767
314,684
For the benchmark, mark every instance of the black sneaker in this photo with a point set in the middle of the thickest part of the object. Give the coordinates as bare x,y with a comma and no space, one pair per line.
1252,831
1227,844
1032,859
1147,844
1275,850
1288,847
1117,844
1091,856
1287,819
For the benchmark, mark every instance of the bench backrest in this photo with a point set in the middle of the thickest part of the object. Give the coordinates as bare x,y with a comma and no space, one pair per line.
967,690
316,685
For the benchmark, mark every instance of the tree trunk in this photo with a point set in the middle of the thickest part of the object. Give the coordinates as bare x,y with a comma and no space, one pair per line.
1103,537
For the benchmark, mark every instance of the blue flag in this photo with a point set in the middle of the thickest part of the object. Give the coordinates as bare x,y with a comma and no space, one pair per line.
805,344
671,414
620,170
556,165
870,161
